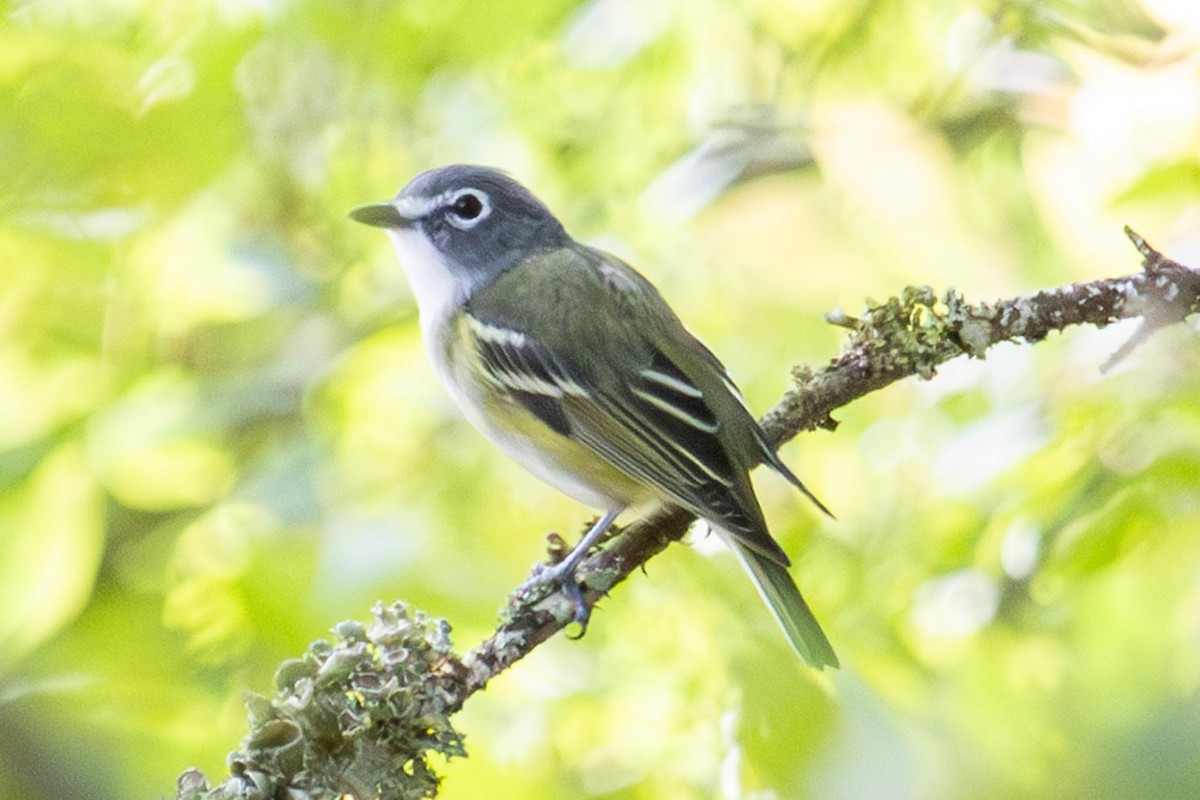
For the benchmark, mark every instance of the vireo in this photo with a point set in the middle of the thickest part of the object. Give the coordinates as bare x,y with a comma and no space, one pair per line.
574,365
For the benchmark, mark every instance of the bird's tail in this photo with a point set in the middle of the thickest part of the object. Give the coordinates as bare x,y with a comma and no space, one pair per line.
778,589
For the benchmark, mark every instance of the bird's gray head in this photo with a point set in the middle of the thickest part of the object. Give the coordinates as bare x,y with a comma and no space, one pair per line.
478,220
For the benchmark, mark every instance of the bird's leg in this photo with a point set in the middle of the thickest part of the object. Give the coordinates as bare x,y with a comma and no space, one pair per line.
567,566
563,573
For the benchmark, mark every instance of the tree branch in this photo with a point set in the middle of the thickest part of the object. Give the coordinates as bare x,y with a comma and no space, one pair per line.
326,719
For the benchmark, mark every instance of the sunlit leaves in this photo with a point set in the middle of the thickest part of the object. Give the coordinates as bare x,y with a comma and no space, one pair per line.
50,553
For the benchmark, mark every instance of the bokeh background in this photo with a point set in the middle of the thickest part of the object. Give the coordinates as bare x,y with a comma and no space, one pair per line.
219,435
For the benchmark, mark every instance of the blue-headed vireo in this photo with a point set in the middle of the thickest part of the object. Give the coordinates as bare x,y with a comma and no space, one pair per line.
574,365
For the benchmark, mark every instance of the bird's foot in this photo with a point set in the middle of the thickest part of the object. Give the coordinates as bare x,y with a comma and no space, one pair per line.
562,576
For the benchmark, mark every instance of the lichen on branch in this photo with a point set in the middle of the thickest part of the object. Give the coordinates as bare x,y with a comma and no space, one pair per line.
357,716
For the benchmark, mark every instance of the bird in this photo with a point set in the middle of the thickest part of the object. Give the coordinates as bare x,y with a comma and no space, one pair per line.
573,364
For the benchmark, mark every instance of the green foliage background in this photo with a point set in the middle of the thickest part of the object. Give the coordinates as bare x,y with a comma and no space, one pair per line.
219,436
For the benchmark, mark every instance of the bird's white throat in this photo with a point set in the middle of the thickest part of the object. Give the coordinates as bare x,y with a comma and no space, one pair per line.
437,291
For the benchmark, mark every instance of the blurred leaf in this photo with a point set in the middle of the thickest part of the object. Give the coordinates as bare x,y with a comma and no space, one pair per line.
50,553
1173,184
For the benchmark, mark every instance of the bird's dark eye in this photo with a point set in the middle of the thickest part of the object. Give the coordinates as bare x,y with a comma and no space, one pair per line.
467,206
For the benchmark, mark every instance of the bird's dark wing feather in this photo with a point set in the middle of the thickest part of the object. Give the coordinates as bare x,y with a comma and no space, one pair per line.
644,396
655,426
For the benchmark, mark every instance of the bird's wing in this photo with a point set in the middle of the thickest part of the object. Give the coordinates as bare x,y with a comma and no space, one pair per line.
643,395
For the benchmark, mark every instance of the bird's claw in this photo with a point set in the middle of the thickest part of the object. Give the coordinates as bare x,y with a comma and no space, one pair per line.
583,612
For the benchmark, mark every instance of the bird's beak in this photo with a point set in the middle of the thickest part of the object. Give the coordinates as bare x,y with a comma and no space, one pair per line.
380,215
